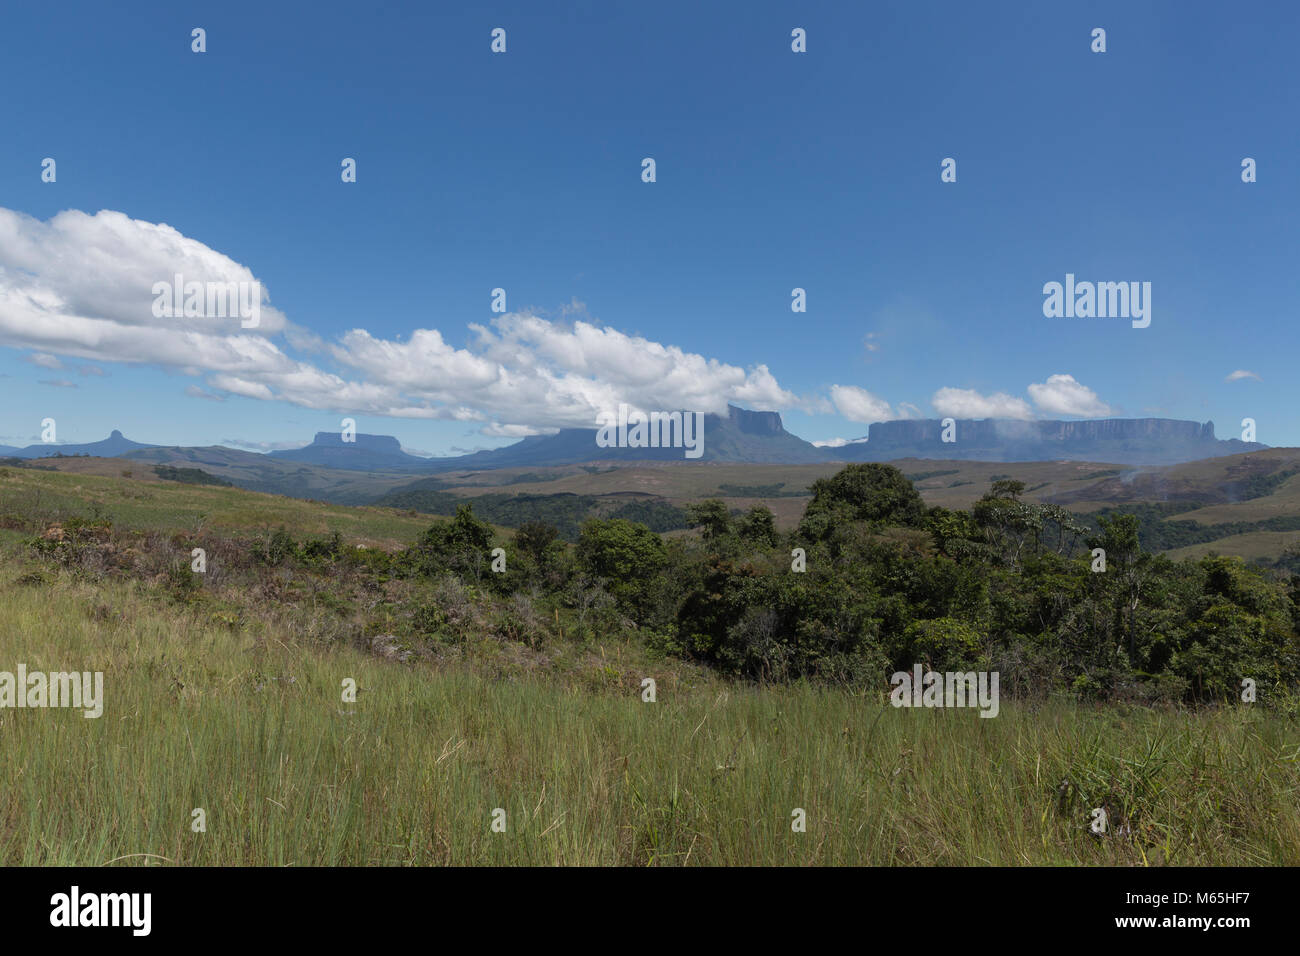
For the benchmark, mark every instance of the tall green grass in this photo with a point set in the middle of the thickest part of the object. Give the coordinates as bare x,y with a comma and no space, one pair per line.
254,731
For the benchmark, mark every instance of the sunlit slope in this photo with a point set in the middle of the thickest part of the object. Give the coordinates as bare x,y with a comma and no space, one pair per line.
1254,498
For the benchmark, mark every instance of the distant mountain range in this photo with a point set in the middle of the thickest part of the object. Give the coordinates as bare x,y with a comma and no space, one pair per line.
114,446
743,436
760,437
1126,441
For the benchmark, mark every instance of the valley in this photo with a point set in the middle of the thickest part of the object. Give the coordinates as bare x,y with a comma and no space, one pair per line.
1246,505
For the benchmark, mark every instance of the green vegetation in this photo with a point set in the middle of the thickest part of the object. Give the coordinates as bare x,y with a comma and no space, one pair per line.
189,476
34,500
1006,586
1259,486
247,724
775,490
521,688
565,511
1159,533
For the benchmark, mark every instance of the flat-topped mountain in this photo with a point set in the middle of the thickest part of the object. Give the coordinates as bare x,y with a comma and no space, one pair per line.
367,453
745,436
1129,441
742,436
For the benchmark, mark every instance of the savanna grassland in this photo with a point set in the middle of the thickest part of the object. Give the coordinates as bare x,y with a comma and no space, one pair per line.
523,690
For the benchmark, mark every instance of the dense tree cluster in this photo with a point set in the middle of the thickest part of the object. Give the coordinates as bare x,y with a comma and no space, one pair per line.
888,582
565,512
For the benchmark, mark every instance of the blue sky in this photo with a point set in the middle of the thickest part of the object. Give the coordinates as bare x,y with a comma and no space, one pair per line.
522,170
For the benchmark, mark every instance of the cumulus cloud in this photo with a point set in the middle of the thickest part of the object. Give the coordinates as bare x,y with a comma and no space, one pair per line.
57,383
1062,395
82,286
103,268
859,405
968,403
575,371
1241,373
43,360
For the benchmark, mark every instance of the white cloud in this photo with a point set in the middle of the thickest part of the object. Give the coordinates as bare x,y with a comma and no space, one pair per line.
568,373
44,360
263,445
104,267
838,442
968,403
81,285
240,386
1062,395
1241,373
814,405
515,431
859,405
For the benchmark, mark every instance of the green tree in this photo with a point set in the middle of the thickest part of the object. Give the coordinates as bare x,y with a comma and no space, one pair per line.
871,492
946,644
712,518
759,527
1126,570
460,545
535,538
626,555
1007,488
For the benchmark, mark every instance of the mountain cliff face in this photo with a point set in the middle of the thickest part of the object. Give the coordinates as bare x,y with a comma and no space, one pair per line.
741,436
1134,441
755,423
379,444
367,453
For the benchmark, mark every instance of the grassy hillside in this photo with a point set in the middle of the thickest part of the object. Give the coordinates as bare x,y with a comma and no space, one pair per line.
274,476
1264,546
247,723
224,692
83,488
